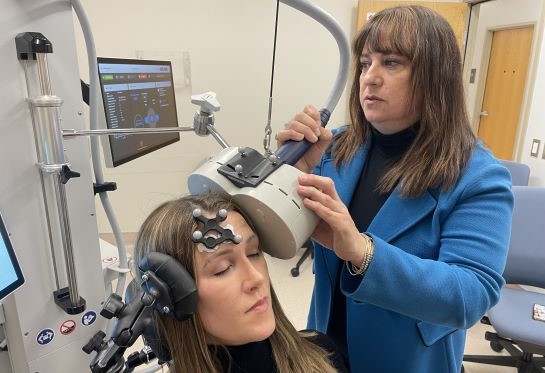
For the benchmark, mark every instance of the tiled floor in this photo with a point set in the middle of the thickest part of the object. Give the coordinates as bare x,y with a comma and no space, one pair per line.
294,294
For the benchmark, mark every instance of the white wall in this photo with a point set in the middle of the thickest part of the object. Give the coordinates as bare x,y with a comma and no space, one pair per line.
500,14
536,116
230,45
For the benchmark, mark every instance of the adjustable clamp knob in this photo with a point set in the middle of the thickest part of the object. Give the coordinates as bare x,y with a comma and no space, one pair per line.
95,343
112,307
207,101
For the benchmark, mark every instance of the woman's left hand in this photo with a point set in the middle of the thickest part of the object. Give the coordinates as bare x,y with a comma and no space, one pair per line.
336,229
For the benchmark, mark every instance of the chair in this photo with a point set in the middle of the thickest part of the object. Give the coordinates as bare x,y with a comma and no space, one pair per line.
520,172
309,251
512,318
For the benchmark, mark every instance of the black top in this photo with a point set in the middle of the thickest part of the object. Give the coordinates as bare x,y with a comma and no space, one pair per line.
384,151
366,202
257,357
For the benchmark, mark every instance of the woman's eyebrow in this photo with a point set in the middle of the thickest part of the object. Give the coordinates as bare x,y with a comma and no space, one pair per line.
217,254
252,237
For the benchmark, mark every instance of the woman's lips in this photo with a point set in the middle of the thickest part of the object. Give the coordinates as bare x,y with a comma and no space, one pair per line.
260,306
372,98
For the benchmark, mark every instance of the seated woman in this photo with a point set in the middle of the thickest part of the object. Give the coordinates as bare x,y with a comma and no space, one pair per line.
239,325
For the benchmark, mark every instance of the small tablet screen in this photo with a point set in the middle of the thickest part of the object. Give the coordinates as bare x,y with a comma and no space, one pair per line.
11,276
137,94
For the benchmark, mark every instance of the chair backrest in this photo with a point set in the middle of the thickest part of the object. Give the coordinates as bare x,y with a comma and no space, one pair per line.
526,257
520,172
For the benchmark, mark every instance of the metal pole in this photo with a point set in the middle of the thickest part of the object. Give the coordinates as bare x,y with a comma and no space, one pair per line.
67,133
66,235
43,74
32,49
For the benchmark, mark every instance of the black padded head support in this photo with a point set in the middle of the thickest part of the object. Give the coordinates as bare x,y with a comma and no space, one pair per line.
170,282
175,290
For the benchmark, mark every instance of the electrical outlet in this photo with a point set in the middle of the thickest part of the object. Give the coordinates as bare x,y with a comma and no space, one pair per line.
472,76
534,151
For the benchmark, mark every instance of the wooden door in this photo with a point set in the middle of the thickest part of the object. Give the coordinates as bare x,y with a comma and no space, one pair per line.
455,13
504,89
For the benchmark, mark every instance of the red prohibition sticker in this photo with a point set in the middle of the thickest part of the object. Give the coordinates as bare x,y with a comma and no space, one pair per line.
67,327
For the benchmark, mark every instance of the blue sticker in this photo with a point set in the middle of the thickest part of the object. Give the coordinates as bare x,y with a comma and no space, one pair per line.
45,336
88,318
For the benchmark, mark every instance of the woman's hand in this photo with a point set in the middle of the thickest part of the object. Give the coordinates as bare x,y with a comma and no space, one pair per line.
306,125
336,229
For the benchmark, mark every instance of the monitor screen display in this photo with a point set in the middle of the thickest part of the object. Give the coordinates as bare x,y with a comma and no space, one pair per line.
11,276
137,94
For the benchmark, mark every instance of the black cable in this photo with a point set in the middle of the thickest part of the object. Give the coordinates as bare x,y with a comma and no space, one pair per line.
274,46
266,141
467,35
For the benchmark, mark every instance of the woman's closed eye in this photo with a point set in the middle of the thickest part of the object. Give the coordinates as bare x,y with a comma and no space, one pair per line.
223,269
254,254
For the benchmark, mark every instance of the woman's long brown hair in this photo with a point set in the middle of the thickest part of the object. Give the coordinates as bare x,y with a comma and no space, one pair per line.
445,140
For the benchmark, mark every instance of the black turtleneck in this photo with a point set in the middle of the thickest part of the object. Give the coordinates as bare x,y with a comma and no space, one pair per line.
257,357
366,202
248,358
384,151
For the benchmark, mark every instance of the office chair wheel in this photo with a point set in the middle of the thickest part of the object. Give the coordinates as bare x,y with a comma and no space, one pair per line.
496,346
295,271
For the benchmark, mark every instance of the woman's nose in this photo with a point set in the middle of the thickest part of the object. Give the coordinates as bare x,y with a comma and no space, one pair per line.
253,277
371,76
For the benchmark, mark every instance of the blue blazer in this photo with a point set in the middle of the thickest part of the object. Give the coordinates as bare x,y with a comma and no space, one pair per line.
435,272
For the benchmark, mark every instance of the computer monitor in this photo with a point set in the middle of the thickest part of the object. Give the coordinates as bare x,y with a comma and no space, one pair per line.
11,276
136,94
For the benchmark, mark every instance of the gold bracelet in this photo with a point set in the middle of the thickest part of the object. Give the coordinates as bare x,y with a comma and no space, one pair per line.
367,257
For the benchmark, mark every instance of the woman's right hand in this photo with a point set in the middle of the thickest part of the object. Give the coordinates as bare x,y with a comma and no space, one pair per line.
306,125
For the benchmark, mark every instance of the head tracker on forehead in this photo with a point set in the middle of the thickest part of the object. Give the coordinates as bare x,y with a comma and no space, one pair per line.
213,225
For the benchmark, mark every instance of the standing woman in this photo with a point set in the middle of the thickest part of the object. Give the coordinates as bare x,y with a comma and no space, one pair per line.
415,212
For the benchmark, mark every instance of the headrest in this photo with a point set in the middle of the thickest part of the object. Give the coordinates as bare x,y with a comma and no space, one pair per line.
175,287
165,279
